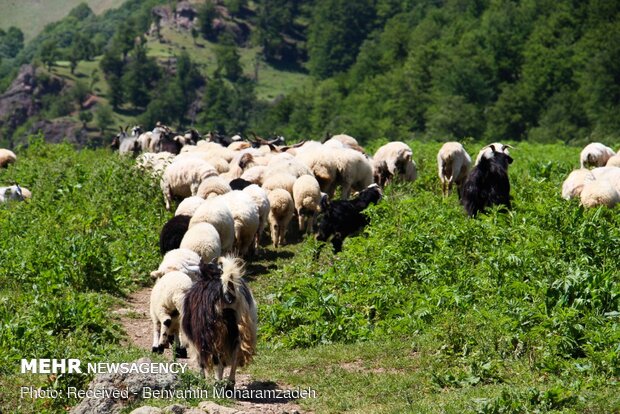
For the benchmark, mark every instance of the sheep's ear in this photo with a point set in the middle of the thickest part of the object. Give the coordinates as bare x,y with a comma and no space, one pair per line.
509,159
324,203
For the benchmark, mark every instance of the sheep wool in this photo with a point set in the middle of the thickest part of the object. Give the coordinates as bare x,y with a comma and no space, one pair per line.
573,185
166,308
283,181
599,193
183,177
354,170
281,212
6,157
394,159
215,212
595,154
307,198
203,239
213,186
453,164
181,260
246,217
260,198
188,206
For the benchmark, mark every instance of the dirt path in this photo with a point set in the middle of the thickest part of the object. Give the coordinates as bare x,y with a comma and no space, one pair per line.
136,321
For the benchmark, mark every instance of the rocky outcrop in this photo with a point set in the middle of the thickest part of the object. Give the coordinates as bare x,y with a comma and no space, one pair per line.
60,130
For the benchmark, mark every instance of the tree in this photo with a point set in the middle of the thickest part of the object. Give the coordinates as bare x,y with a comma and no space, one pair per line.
85,118
80,92
103,117
337,31
11,42
140,76
48,53
206,14
228,61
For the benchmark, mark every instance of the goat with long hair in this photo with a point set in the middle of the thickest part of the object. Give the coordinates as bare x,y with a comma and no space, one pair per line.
220,318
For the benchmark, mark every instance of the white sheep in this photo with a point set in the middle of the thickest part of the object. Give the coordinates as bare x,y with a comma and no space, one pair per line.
307,198
599,193
286,163
212,148
188,206
344,141
215,211
354,171
573,185
322,162
453,164
284,181
12,193
183,177
181,260
487,151
247,219
394,159
166,308
613,161
255,174
203,239
6,157
595,155
610,174
281,212
260,198
213,186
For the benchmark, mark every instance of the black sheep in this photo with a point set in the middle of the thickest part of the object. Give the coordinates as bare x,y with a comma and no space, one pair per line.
487,184
239,184
343,218
172,233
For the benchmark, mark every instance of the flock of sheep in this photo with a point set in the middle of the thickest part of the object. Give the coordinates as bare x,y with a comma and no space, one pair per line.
227,197
230,190
599,186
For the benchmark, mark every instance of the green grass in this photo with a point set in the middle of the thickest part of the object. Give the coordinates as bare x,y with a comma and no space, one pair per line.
428,312
31,16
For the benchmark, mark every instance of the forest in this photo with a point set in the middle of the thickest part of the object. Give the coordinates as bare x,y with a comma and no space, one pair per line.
545,71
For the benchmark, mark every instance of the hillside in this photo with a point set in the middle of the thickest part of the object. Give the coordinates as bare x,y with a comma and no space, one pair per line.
31,16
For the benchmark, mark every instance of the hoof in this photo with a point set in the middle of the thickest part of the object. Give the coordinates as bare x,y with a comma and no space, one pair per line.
181,353
158,349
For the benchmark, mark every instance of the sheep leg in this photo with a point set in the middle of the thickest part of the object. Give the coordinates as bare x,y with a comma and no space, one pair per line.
346,191
156,334
233,366
219,371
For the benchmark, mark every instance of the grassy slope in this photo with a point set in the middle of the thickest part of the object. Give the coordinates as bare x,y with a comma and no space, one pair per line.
31,16
436,365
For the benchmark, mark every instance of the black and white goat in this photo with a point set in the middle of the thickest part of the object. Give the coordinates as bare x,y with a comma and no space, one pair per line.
487,184
343,218
220,318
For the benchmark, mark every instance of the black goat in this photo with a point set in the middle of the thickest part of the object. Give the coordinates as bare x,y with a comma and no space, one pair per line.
487,184
343,218
172,233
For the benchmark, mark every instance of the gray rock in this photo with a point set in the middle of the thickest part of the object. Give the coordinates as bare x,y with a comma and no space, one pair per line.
147,410
128,385
175,409
212,408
